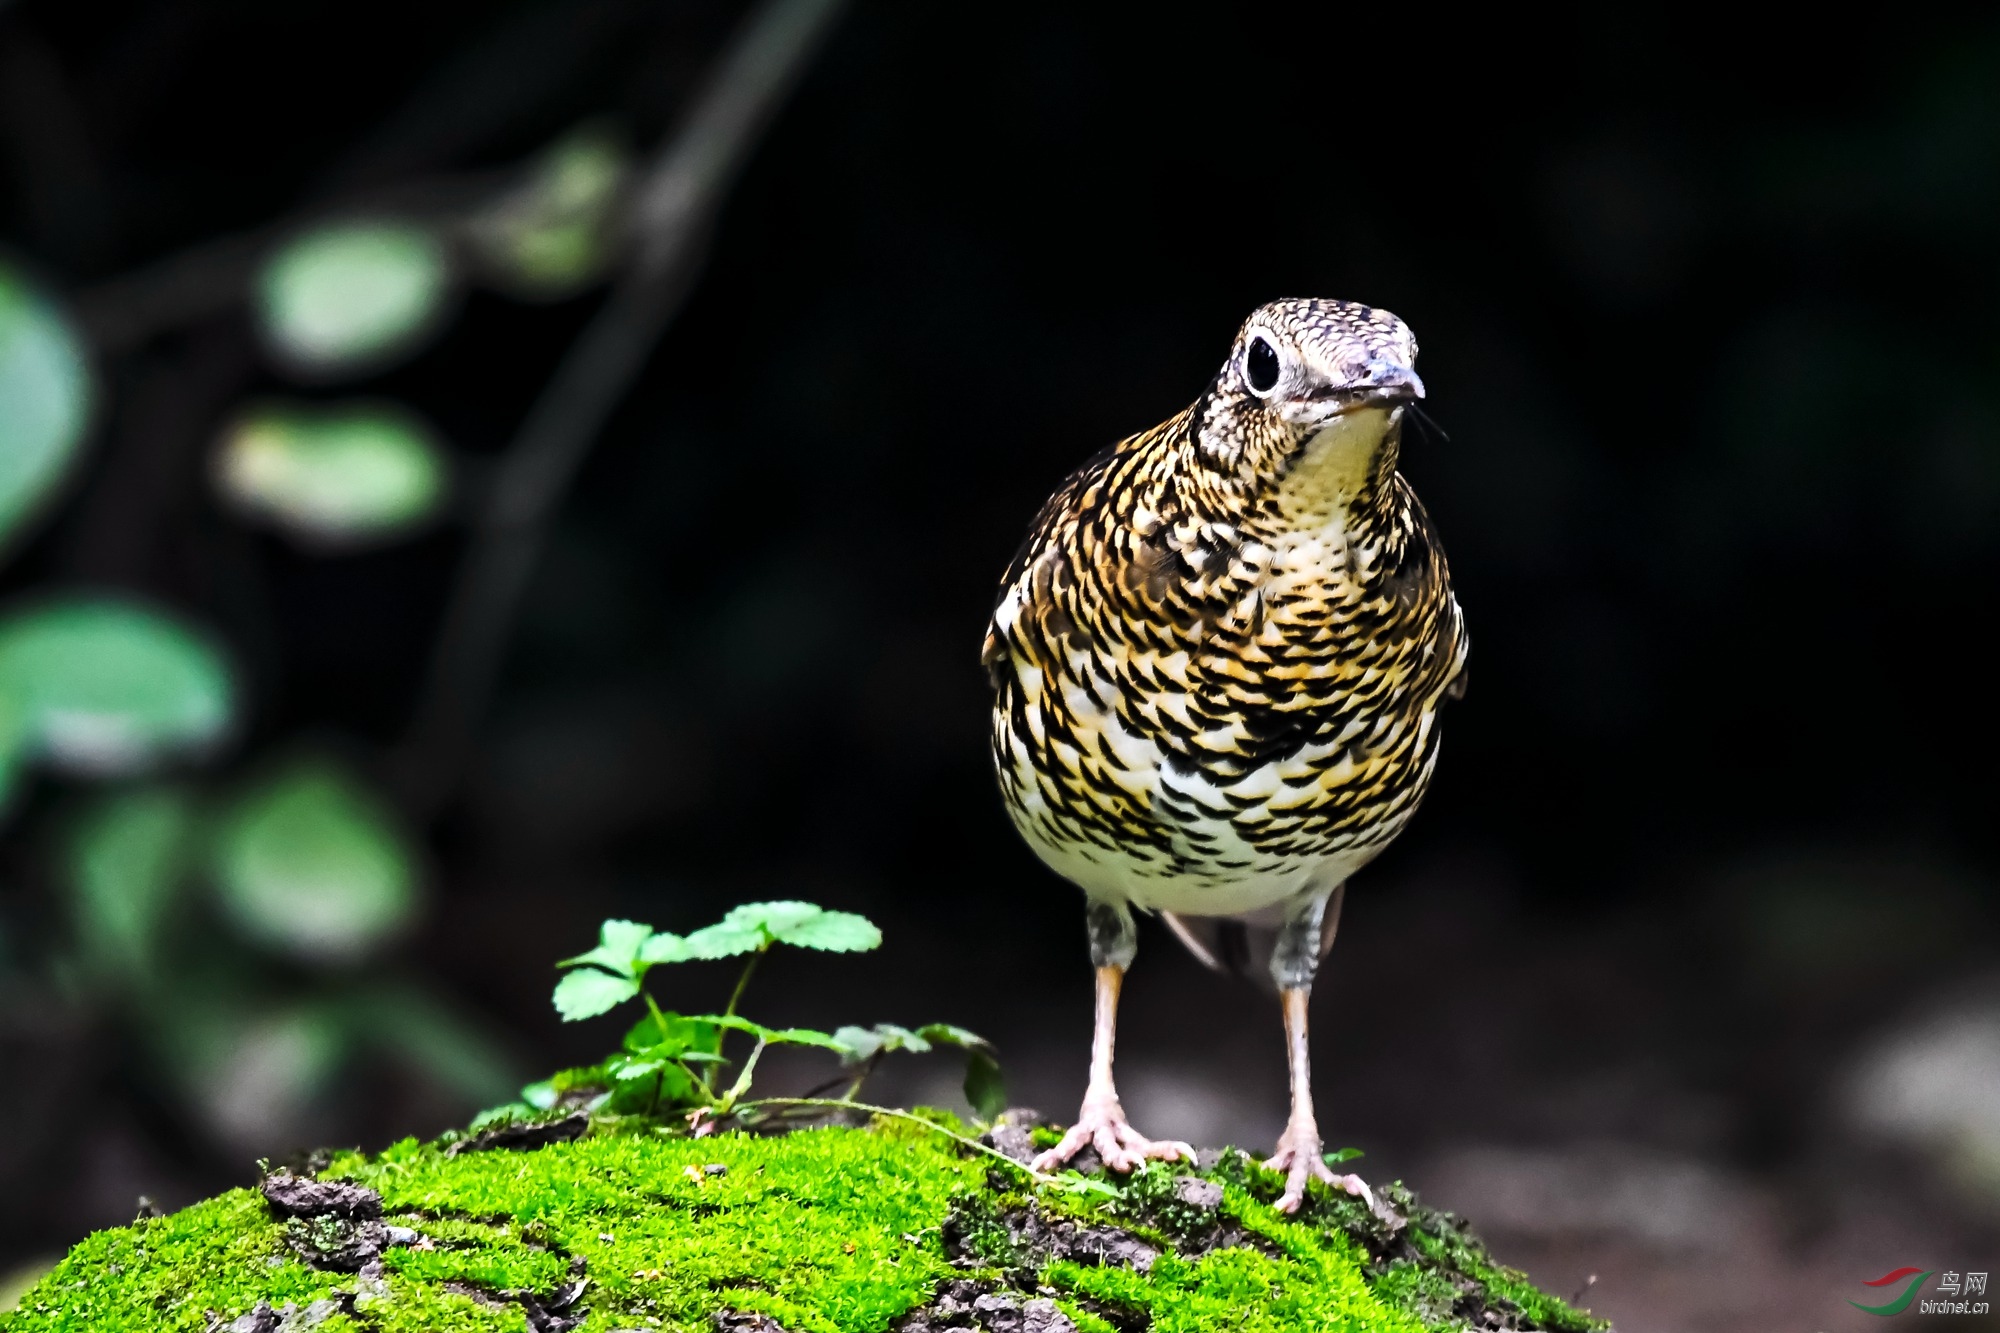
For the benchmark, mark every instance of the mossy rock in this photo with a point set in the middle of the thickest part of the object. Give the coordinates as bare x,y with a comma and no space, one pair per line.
827,1230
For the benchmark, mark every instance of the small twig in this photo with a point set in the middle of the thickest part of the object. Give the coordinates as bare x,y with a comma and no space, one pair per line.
673,210
843,1104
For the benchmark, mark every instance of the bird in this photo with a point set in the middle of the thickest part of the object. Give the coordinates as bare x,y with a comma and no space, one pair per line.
1218,661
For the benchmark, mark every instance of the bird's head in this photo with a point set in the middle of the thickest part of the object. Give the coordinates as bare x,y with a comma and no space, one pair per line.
1311,392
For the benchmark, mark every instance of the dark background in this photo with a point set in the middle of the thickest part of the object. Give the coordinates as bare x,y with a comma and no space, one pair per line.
1685,976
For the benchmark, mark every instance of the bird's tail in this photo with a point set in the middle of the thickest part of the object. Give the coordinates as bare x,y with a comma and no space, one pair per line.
1243,945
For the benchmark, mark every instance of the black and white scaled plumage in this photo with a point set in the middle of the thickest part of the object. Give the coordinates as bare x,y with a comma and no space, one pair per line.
1218,661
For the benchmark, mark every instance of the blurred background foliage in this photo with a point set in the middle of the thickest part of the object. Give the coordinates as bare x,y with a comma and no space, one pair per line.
1689,965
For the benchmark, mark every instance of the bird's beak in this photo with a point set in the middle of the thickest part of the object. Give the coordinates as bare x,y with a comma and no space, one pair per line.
1381,385
1386,382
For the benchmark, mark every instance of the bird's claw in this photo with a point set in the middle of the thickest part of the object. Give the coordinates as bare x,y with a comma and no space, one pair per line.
1298,1156
1122,1148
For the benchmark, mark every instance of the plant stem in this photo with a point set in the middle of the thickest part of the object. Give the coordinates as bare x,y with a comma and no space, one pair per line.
742,980
701,1080
742,1084
844,1104
861,1076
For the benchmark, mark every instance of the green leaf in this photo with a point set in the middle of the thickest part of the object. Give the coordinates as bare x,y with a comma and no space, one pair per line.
333,478
618,947
45,393
735,1023
835,932
1343,1155
1072,1182
663,1085
754,926
664,948
541,1096
508,1114
309,862
946,1034
586,993
725,940
773,1036
352,296
127,858
805,1037
101,687
857,1043
681,1039
985,1087
627,1070
554,234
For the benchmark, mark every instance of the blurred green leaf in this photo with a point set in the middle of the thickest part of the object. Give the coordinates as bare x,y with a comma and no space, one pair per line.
985,1087
309,862
949,1034
14,745
446,1047
333,477
102,688
556,233
255,1072
586,993
128,856
44,397
352,296
859,1043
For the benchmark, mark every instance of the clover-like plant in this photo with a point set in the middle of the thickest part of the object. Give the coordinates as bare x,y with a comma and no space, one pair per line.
668,1062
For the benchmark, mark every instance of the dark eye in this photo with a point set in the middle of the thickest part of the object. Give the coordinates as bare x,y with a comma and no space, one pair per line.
1260,365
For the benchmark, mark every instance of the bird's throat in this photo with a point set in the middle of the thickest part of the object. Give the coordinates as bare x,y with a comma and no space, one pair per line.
1338,468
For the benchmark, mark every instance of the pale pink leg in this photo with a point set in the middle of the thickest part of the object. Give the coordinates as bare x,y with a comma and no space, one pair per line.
1299,1149
1101,1123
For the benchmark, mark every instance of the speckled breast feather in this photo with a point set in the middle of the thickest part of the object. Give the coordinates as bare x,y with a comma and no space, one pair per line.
1219,656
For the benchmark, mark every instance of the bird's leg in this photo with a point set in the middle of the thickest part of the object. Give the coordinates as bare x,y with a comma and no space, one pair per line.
1101,1123
1293,965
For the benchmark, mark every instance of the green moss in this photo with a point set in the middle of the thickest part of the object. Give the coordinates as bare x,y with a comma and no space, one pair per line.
827,1231
168,1272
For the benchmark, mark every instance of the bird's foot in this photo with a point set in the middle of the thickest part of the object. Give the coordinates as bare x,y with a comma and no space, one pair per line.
1299,1157
1101,1125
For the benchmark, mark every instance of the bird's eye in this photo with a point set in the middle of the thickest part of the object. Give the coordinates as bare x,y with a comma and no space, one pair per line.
1260,366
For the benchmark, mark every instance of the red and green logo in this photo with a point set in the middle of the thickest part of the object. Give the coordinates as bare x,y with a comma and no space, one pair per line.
1915,1282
